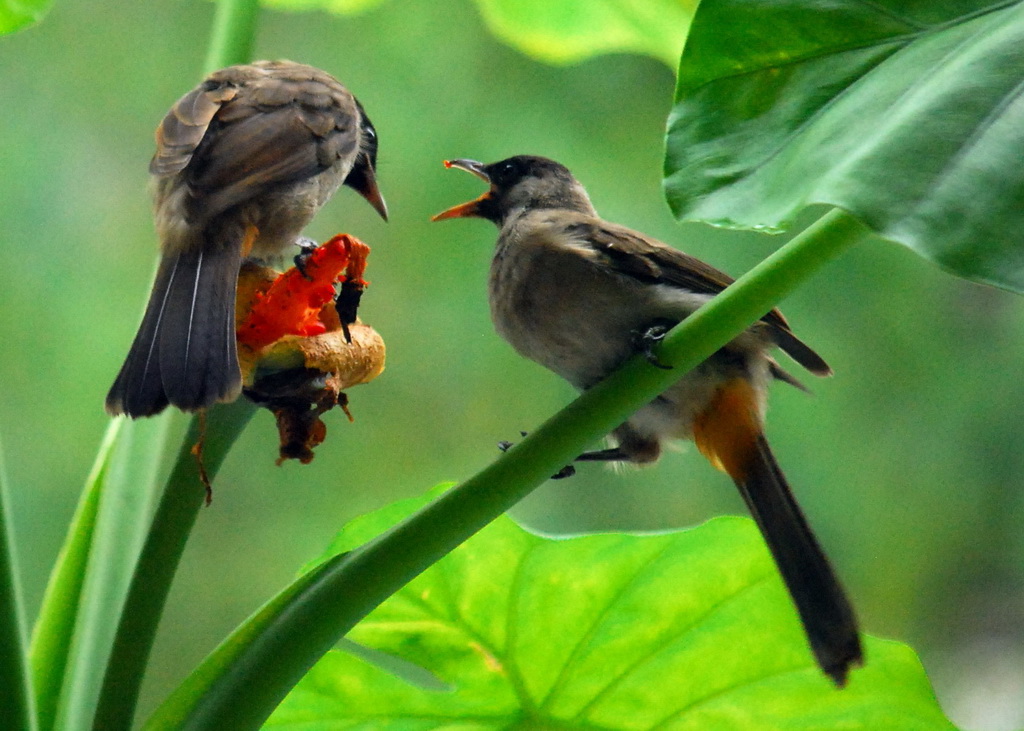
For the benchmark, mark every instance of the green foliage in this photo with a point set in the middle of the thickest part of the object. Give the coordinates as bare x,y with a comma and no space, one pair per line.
684,630
18,14
332,6
522,600
566,31
572,30
907,115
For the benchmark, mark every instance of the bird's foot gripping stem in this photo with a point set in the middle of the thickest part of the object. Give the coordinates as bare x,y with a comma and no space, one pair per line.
613,454
645,341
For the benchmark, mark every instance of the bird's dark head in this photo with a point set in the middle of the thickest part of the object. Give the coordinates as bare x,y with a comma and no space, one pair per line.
363,176
520,183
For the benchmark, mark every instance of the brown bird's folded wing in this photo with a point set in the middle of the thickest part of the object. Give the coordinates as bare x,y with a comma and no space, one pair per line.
635,255
272,132
184,127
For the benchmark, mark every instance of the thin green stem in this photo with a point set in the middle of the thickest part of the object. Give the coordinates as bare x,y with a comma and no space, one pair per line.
241,683
233,34
17,709
183,496
53,634
128,489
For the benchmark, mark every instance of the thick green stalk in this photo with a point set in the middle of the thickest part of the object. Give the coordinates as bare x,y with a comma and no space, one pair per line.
183,496
233,34
245,678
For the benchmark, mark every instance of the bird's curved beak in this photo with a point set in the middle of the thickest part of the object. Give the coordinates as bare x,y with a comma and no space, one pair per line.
469,209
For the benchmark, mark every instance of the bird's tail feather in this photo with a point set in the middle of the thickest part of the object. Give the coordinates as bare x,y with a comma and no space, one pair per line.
729,433
184,353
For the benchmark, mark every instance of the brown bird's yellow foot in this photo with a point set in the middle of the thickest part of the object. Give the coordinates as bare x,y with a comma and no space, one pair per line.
646,340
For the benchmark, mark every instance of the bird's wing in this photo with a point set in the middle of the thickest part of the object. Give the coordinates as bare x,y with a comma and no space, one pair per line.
633,254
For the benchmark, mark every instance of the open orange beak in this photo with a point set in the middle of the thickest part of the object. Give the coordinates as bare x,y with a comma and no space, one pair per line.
469,209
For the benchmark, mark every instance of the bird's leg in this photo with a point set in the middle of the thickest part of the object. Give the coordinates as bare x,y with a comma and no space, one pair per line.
613,454
306,248
644,341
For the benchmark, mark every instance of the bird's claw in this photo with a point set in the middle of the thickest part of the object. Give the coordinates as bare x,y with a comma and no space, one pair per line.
306,249
567,471
647,339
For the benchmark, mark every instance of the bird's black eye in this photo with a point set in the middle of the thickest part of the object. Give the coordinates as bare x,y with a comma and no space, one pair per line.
505,172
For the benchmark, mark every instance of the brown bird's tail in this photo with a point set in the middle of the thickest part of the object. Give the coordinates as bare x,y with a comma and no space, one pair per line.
729,434
184,353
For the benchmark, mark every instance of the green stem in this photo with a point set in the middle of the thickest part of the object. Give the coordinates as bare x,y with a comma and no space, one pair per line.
53,635
233,34
240,684
128,487
16,699
183,496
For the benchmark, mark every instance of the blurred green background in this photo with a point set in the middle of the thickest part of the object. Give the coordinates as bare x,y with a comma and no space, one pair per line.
908,461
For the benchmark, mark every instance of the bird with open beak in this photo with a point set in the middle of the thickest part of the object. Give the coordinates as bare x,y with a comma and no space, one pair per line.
243,162
580,296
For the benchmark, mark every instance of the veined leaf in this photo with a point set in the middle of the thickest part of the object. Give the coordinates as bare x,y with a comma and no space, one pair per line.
673,631
908,115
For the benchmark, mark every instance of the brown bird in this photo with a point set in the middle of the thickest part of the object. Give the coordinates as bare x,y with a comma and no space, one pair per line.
580,296
242,163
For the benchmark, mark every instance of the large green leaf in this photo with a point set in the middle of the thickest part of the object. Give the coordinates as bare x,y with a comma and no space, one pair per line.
18,14
685,630
908,114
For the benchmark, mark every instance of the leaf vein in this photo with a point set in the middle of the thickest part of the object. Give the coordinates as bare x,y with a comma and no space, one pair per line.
585,638
670,639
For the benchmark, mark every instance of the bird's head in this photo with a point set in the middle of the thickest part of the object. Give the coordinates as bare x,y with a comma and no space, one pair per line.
518,184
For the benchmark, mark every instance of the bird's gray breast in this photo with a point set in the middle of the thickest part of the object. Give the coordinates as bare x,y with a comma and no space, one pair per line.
555,306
